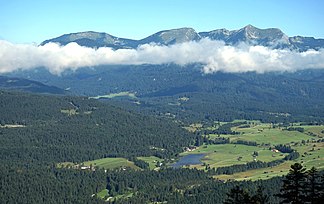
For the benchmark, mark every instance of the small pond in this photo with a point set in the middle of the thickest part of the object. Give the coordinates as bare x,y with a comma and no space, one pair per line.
190,159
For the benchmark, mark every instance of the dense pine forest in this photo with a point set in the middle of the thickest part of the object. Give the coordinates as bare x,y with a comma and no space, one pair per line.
142,112
37,184
187,94
56,129
39,131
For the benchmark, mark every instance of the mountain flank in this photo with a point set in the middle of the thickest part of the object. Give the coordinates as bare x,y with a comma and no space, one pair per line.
21,84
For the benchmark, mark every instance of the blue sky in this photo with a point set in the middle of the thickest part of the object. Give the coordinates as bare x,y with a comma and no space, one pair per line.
27,21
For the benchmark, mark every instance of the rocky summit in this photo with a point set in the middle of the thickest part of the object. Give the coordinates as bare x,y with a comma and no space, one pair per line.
269,37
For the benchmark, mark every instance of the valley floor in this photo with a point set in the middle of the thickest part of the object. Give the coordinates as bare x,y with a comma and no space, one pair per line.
264,137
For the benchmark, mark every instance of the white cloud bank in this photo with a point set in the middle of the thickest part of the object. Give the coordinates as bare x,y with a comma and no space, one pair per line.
214,55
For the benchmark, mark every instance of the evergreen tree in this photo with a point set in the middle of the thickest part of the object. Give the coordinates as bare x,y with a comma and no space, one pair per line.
322,188
260,197
313,189
292,190
238,196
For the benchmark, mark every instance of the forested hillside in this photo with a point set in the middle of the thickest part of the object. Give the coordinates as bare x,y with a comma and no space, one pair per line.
14,83
189,95
56,129
31,183
37,131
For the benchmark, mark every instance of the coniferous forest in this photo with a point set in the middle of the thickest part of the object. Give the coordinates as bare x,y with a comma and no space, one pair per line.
39,131
169,102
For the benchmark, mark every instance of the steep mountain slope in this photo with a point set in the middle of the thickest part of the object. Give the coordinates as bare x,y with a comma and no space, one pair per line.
168,37
270,37
305,43
94,40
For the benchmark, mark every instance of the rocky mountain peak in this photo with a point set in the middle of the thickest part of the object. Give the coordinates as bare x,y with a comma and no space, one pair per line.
270,37
167,37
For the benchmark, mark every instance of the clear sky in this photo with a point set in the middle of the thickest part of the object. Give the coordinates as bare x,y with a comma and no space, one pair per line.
28,21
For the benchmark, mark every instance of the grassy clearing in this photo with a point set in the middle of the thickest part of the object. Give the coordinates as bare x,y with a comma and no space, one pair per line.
152,161
111,163
113,95
12,126
232,154
65,164
123,196
102,194
311,154
256,174
70,112
264,134
183,99
194,127
317,130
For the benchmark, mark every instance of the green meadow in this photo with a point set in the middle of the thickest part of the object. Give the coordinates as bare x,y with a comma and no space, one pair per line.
111,163
272,136
113,95
266,136
221,155
232,154
152,161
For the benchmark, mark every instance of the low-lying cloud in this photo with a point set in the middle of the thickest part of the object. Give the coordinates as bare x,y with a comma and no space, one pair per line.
214,55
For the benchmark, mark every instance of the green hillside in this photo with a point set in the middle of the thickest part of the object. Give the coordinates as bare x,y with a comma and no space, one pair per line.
58,129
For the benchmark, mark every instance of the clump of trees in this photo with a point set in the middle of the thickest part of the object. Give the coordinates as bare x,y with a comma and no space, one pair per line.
299,187
284,148
241,196
299,129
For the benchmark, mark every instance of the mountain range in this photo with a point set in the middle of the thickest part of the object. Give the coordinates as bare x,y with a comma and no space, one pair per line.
269,37
184,92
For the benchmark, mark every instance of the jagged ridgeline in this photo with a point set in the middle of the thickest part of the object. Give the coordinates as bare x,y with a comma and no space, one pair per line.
63,128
